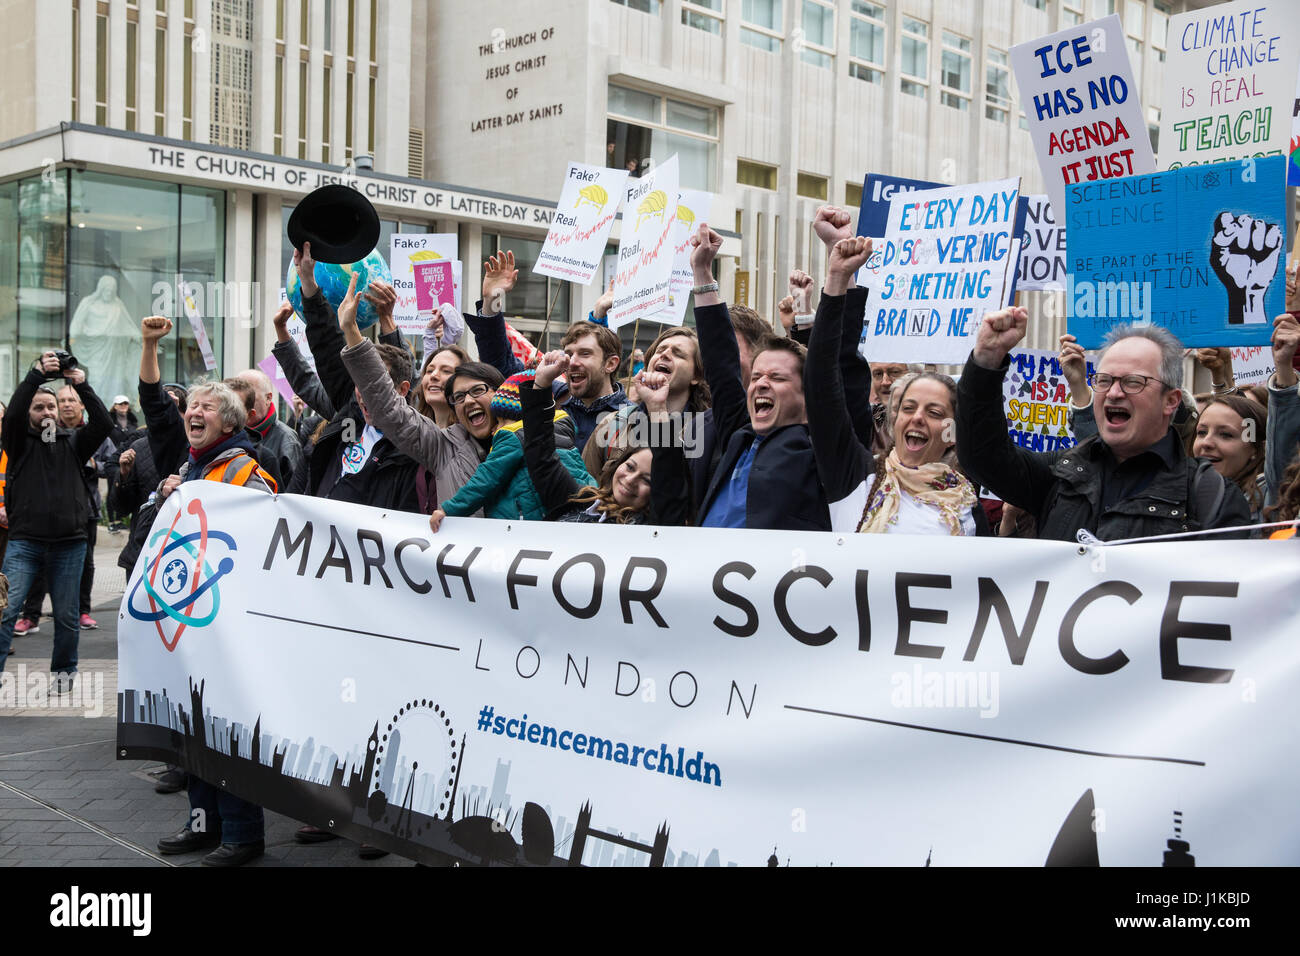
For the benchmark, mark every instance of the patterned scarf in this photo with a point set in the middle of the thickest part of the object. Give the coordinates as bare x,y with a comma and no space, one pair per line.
935,484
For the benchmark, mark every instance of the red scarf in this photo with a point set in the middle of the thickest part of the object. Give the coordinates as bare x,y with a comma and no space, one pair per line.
263,428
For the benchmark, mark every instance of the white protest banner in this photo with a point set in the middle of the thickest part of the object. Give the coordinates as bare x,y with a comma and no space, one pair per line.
690,688
693,208
583,219
1252,364
1042,257
1037,401
1082,105
948,258
406,248
645,248
1229,81
196,321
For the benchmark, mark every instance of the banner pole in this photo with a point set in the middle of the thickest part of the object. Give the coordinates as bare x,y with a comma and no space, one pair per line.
546,328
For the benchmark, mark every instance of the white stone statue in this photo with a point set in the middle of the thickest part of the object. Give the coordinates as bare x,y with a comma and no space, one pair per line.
106,341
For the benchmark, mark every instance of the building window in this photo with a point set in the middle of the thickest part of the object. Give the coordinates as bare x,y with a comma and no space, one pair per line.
645,6
645,128
302,109
997,86
1036,4
347,127
370,132
954,72
818,34
1070,17
813,187
328,24
278,148
1160,14
867,42
325,106
160,81
703,15
758,175
915,57
533,295
187,88
352,27
279,20
101,70
762,24
374,29
853,195
132,64
304,23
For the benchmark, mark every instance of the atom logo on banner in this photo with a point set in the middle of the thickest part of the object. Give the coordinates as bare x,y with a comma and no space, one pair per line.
175,586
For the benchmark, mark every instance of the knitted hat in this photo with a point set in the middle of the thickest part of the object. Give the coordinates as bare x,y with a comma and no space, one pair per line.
505,403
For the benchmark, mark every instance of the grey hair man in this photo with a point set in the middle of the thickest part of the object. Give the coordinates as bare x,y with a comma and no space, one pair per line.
274,438
1134,479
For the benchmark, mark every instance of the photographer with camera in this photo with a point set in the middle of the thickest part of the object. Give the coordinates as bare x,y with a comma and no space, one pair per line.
47,502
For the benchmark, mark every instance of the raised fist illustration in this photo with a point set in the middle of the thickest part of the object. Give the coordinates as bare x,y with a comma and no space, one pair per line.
1244,253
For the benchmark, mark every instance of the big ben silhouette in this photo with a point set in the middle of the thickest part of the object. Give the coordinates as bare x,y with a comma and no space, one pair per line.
361,784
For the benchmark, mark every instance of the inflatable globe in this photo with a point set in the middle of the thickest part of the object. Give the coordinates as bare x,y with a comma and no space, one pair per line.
333,281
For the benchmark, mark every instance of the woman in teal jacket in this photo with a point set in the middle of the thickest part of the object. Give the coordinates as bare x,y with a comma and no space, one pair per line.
501,485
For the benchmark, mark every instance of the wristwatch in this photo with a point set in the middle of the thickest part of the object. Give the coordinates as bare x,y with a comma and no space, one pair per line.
701,289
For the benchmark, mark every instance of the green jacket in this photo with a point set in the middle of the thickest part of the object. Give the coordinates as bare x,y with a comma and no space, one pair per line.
501,485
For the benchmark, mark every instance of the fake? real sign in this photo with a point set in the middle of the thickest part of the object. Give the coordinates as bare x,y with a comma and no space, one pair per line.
631,695
949,256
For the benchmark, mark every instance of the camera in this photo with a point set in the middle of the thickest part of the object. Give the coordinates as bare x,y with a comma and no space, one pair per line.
67,362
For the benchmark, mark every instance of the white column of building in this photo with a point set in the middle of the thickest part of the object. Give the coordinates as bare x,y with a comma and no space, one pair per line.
338,82
315,104
237,354
262,120
117,65
266,298
147,85
53,88
176,40
88,45
292,63
202,64
393,93
361,80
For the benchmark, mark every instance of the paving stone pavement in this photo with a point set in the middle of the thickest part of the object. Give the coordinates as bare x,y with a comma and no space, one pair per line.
66,801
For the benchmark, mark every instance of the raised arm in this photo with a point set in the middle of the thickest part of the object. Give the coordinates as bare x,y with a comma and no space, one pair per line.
554,483
843,459
323,335
162,419
1074,368
98,422
985,450
718,349
1283,404
489,325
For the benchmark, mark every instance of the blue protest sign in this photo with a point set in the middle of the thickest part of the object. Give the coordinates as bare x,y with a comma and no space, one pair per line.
1198,250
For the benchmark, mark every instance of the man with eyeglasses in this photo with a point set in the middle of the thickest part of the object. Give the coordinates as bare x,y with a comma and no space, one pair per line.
1133,480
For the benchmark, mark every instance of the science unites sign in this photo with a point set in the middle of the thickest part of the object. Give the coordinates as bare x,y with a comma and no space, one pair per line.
529,693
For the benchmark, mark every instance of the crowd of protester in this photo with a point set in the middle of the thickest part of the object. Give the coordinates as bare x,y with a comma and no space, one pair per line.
737,423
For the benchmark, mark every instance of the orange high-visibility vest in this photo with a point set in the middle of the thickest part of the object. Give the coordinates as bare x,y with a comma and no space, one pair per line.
1282,534
237,471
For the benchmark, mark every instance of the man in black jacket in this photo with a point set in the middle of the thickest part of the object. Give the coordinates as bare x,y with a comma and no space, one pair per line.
47,503
1132,480
766,476
352,460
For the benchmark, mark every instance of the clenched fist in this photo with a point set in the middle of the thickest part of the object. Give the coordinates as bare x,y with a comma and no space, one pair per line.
1244,254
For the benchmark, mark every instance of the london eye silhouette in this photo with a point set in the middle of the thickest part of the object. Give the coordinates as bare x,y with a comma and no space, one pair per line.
405,798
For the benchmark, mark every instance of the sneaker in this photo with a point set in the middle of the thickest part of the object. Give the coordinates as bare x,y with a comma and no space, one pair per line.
25,625
88,623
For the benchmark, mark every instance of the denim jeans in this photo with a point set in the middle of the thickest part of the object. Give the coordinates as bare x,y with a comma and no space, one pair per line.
36,596
237,820
62,566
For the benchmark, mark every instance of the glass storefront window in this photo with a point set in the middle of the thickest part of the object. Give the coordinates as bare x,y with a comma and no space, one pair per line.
84,256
